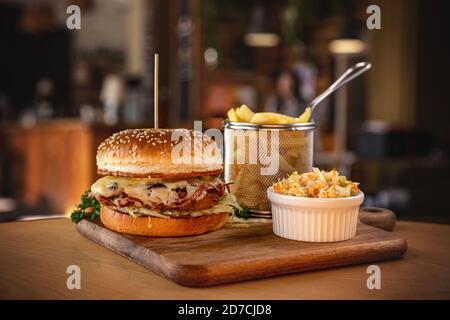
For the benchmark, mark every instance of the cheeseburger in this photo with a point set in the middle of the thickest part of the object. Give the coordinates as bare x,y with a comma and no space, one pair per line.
162,183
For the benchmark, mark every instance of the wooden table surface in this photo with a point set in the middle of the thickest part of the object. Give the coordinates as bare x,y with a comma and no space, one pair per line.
34,257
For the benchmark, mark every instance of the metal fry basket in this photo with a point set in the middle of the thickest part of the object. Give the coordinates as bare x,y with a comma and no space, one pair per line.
256,156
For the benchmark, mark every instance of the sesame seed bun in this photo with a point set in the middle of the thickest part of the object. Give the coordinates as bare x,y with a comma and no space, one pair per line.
160,227
152,153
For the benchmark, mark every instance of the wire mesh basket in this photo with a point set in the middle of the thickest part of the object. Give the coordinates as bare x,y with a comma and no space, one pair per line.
256,156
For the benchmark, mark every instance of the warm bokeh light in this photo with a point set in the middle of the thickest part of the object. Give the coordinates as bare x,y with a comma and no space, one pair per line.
347,46
262,39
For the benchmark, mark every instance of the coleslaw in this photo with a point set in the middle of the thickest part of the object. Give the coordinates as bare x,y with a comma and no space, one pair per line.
317,184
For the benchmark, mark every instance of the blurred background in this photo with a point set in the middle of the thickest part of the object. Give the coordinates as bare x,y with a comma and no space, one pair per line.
63,91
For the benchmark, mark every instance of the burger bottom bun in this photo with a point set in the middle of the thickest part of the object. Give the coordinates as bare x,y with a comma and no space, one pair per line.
160,227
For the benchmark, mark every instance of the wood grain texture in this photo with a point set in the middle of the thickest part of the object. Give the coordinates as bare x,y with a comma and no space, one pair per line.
236,254
34,256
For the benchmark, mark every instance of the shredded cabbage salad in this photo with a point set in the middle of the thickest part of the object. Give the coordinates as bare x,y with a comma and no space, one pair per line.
227,203
317,184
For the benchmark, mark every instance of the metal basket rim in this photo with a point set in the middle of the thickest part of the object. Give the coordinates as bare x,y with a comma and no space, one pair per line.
227,124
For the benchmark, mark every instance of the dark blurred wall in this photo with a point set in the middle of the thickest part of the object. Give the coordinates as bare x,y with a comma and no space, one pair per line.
27,57
433,70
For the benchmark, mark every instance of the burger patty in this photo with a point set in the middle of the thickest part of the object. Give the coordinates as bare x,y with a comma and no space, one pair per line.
205,197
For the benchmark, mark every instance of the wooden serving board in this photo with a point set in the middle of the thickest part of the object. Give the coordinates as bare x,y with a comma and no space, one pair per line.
236,254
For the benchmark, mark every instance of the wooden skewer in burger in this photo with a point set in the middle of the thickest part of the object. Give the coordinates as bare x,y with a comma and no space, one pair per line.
147,191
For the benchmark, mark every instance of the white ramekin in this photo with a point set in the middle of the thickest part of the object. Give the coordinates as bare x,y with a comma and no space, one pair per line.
314,219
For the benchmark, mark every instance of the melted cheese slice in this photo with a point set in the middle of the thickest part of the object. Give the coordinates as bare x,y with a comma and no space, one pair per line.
142,188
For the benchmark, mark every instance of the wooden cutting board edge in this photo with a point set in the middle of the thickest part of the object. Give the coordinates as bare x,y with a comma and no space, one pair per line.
201,276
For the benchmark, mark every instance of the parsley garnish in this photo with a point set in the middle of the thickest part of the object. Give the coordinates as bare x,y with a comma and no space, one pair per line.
243,214
88,208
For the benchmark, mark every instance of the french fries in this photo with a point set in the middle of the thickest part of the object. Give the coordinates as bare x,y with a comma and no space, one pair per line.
232,116
245,114
271,118
306,115
294,154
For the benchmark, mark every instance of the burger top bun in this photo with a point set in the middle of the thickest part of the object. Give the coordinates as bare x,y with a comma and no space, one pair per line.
159,153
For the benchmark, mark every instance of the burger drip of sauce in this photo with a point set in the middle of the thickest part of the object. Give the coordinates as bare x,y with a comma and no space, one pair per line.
149,222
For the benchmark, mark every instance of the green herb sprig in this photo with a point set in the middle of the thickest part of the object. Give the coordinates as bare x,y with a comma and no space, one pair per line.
243,214
88,208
